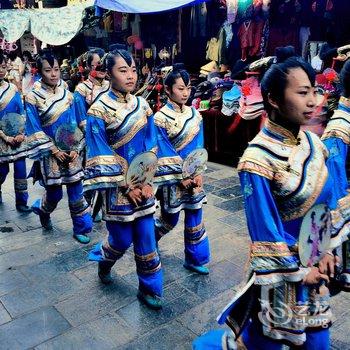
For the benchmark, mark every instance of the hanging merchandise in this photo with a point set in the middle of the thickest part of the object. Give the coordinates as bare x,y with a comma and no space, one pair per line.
135,25
79,2
164,54
141,6
198,21
28,43
232,10
108,23
13,23
7,46
250,35
225,38
148,52
117,21
212,50
44,24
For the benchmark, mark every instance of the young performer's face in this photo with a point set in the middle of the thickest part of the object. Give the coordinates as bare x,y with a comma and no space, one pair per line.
179,92
123,77
299,102
96,63
3,70
50,75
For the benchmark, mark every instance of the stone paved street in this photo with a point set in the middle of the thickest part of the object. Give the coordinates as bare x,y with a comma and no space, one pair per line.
50,296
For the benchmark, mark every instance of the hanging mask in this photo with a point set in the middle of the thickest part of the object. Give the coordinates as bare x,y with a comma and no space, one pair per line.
148,52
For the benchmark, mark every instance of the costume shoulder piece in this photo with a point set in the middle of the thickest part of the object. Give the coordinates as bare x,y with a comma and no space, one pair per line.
62,84
196,112
168,115
338,126
262,156
13,87
84,88
103,108
34,94
160,119
7,92
318,144
145,106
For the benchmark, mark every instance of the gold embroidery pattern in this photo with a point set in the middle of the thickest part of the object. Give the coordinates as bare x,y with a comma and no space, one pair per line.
146,257
96,88
344,101
140,123
338,127
269,249
8,96
104,179
169,160
100,160
57,112
194,229
253,167
189,137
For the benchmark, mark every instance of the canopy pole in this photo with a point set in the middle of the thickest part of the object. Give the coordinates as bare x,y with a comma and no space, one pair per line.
179,31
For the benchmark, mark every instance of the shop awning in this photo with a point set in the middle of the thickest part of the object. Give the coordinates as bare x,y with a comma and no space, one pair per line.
144,6
55,26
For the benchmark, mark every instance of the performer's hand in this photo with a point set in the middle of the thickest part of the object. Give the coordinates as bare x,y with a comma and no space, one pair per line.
19,138
61,156
147,192
315,277
328,264
135,196
73,155
11,140
186,183
198,181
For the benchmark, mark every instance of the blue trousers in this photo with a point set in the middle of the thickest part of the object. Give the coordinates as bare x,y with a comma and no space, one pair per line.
253,339
140,232
20,179
197,251
79,208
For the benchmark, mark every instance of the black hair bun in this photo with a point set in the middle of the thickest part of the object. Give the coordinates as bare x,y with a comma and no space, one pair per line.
178,66
283,53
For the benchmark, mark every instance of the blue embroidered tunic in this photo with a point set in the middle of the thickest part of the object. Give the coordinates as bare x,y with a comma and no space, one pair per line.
86,93
10,102
118,129
282,178
336,137
179,132
47,109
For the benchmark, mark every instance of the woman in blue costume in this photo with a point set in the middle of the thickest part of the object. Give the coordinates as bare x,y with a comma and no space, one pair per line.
49,107
119,127
12,148
283,175
336,137
179,132
86,93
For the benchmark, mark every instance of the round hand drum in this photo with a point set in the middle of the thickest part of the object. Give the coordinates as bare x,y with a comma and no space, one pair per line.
194,164
142,169
13,124
68,137
315,235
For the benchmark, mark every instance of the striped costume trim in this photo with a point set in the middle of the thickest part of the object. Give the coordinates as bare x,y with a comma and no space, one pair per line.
338,127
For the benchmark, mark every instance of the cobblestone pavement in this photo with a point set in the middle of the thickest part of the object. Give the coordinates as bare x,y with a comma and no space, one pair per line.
50,296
